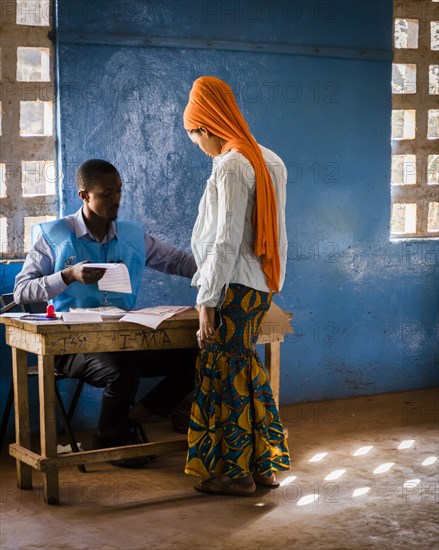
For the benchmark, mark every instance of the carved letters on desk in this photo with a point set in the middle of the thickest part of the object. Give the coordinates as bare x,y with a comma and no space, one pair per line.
122,340
68,343
28,341
60,338
143,339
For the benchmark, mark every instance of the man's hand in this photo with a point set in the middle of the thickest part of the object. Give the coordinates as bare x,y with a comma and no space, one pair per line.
81,273
206,333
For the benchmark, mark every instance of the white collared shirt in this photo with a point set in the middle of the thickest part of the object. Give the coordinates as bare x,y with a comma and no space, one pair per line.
222,238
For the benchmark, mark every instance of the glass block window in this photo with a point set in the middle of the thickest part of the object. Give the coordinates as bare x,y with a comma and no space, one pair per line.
3,235
33,64
27,144
33,13
406,33
404,218
415,120
2,179
38,178
29,223
433,124
404,78
433,217
434,32
36,118
403,124
433,79
433,170
403,169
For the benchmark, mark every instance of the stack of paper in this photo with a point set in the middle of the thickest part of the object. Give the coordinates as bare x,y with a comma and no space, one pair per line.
81,317
152,317
115,279
106,312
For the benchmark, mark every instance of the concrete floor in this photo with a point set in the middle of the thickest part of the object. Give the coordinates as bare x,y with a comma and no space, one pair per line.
157,509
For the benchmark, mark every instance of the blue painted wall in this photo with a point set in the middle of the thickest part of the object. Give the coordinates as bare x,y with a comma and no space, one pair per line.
313,80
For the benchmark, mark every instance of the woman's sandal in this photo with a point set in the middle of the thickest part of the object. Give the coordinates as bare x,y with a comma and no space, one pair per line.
266,481
221,486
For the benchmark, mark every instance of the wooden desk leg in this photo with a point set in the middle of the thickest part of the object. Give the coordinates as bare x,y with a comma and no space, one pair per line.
46,383
21,408
272,364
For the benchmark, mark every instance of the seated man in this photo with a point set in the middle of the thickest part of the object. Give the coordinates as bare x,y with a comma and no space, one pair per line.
56,269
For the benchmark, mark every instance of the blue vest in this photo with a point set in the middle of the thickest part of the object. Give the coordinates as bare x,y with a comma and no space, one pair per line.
128,247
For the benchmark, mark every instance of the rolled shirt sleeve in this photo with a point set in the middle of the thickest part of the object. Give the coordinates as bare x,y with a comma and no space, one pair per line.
37,282
164,257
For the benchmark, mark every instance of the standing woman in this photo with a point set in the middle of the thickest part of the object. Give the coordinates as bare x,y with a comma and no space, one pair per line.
235,436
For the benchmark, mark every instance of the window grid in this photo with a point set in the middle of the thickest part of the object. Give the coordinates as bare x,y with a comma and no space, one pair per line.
27,79
414,102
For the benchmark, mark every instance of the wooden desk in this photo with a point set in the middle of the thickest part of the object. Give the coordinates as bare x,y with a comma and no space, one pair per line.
50,338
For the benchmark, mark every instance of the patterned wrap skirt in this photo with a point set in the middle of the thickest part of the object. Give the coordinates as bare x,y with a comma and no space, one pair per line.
235,429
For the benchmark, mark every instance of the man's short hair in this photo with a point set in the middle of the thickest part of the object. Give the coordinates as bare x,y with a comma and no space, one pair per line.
90,171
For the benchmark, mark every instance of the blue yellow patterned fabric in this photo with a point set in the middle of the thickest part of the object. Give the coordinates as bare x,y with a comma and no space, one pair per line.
235,429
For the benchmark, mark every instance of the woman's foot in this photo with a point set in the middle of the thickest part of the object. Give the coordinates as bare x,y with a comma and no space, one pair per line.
222,485
266,481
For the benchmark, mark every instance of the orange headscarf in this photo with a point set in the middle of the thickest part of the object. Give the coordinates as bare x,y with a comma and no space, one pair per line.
213,106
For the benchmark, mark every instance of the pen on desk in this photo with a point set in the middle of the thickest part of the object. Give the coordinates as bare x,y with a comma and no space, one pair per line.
41,317
48,316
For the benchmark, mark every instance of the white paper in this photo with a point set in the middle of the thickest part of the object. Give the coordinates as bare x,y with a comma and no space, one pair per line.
152,317
115,279
106,312
83,317
15,315
62,449
98,309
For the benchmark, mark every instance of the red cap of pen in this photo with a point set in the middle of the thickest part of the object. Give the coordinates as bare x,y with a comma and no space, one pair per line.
50,311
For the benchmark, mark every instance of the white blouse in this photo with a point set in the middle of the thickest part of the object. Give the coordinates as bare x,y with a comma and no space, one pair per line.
222,238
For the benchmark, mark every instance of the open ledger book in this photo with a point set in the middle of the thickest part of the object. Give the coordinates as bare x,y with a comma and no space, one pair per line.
150,317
